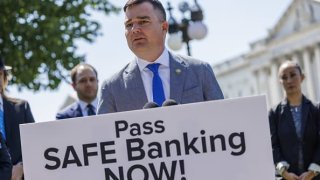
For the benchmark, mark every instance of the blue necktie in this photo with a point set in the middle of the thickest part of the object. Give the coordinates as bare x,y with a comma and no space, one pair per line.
2,128
157,87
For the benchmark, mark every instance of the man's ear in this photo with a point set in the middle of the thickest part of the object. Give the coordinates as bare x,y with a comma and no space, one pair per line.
165,26
73,85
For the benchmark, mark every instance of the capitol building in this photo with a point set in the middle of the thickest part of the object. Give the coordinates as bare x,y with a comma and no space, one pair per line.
296,36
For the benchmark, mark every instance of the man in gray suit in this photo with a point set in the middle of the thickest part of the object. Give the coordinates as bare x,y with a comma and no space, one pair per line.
155,74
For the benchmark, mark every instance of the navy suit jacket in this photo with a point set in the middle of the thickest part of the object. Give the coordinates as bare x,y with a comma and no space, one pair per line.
71,111
191,81
5,161
16,112
285,141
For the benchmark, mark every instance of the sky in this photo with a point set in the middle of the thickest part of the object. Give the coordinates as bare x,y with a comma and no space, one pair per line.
232,26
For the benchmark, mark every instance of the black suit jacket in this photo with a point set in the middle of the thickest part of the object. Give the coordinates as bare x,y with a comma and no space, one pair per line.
16,112
5,161
71,111
284,138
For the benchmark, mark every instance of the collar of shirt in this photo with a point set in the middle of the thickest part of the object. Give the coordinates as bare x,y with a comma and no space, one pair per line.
164,73
163,59
1,103
83,106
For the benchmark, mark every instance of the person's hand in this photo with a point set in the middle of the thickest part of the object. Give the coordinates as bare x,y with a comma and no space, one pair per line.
17,172
290,176
307,175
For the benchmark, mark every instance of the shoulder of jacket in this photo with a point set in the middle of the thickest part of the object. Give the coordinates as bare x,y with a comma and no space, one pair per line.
15,101
70,107
278,107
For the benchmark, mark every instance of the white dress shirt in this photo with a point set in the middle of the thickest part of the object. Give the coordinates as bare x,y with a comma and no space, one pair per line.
84,108
147,75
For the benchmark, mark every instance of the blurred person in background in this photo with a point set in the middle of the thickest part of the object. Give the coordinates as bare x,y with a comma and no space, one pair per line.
13,112
85,82
295,129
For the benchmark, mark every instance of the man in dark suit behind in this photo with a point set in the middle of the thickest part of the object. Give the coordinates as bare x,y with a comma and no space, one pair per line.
156,74
85,82
5,161
13,112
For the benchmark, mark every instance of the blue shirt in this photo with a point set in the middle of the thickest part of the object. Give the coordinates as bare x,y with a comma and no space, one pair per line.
296,114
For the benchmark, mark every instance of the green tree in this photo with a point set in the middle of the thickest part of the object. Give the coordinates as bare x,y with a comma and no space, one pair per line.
37,38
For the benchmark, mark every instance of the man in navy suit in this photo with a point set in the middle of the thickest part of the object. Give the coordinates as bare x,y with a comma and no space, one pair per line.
13,112
155,74
85,82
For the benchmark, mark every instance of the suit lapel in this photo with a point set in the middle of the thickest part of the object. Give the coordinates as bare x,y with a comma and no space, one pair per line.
305,108
178,73
133,84
287,116
77,110
8,116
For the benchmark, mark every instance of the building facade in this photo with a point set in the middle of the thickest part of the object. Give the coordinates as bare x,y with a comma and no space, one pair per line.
295,36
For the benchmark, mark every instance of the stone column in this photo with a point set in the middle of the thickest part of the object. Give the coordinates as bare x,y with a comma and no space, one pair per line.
257,81
295,58
274,84
264,85
317,64
308,74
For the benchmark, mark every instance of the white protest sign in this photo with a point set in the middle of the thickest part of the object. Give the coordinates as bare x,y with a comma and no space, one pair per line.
225,139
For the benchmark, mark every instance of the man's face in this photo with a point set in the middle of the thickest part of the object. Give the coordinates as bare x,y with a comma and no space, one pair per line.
86,84
145,29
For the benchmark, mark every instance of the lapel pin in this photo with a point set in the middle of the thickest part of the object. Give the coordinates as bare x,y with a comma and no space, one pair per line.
178,71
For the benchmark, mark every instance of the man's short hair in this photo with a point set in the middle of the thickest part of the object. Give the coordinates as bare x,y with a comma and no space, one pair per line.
75,70
155,3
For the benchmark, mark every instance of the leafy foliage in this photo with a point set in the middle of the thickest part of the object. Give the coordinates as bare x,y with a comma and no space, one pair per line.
37,38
